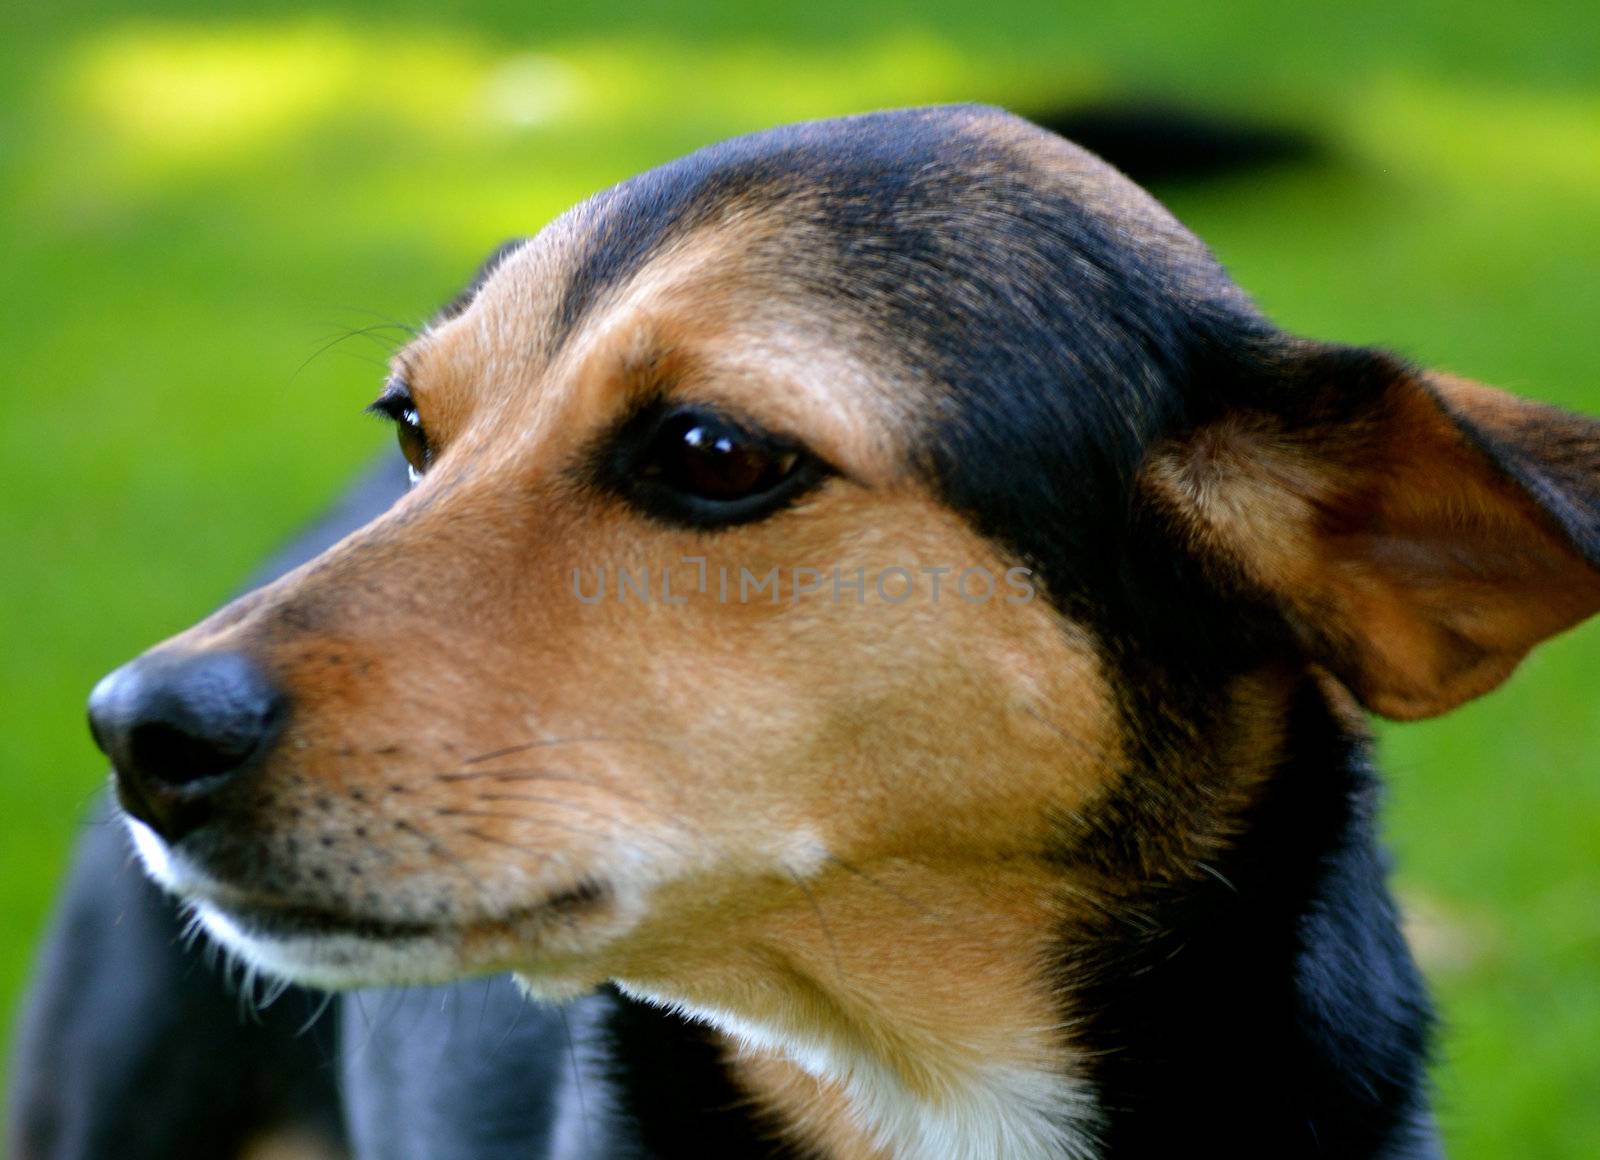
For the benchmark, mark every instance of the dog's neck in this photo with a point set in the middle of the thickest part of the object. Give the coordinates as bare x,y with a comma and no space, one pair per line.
910,1013
1264,1001
1267,1005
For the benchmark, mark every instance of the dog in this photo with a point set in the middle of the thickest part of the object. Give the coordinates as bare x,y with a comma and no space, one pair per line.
881,631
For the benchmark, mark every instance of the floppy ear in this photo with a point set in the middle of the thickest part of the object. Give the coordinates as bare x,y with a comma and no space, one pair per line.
1419,532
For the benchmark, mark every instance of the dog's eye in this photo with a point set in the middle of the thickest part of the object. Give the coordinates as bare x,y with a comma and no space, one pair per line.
694,466
397,405
705,457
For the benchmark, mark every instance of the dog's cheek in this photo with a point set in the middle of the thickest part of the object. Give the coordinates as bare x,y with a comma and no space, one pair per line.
849,721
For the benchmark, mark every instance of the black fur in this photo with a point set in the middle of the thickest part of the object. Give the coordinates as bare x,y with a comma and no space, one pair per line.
1269,1006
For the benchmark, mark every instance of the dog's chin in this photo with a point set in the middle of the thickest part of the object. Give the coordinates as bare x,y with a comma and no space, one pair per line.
334,959
318,948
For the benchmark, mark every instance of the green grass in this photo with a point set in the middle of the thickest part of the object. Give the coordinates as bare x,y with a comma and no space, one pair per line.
197,197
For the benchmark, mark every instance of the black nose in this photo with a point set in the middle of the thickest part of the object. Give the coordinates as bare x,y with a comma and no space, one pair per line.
179,726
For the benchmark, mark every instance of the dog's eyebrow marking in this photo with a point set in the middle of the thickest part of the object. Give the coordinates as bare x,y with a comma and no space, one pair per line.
639,218
802,164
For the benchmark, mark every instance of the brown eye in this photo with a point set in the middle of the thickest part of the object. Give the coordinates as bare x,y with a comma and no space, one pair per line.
413,443
706,457
397,405
696,467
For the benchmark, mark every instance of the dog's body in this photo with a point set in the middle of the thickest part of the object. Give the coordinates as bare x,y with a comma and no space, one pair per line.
1089,875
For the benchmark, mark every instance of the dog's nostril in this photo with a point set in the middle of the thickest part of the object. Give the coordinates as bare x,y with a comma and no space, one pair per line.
179,757
178,725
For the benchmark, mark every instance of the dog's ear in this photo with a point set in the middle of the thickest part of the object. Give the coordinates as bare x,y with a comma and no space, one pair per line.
1419,532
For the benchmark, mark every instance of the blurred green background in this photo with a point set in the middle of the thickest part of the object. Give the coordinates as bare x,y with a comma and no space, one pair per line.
199,197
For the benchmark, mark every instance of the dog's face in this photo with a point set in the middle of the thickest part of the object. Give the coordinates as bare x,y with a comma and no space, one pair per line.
837,512
601,678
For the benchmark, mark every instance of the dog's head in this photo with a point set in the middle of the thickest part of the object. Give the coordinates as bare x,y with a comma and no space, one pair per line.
836,511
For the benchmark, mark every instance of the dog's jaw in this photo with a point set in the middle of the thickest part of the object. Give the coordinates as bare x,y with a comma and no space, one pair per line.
330,961
336,959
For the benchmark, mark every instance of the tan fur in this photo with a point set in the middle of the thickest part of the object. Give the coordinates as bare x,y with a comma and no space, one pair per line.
855,798
1418,571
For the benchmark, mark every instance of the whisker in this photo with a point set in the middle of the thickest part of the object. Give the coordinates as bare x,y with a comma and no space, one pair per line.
276,988
370,1031
388,320
1097,751
570,805
249,1008
577,1072
511,1028
345,335
547,742
550,823
1134,917
513,775
1207,868
483,1010
490,839
532,774
317,1013
193,926
822,921
919,907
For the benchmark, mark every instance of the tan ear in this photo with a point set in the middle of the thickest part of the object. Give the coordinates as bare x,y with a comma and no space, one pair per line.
1420,532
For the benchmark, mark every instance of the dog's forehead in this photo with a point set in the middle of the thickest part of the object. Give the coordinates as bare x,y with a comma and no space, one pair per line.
859,211
1015,298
